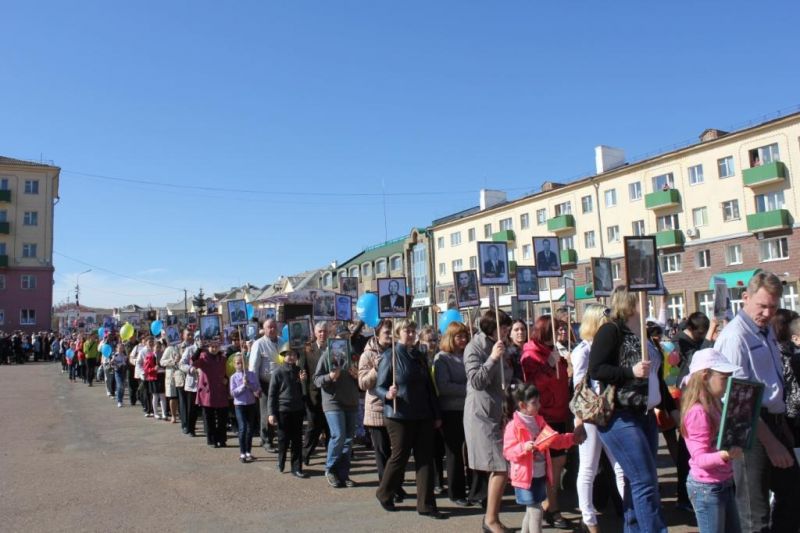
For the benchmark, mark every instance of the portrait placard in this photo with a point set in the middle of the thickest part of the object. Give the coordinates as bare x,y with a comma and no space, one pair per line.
338,354
569,293
173,333
299,332
548,260
251,332
493,257
466,284
740,414
324,308
349,285
237,312
344,307
270,313
392,298
722,300
602,276
527,284
210,326
171,320
640,263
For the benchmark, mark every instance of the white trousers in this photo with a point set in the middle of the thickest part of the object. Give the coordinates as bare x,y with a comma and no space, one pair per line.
589,454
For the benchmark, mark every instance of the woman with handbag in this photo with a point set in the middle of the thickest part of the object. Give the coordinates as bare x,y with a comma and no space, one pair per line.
615,359
589,450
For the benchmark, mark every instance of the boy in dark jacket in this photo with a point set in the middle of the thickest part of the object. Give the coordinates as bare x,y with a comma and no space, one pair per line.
286,408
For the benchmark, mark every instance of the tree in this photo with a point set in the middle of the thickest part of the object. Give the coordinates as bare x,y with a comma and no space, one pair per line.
199,303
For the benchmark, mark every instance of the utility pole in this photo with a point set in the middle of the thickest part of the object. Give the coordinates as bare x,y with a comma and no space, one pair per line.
78,294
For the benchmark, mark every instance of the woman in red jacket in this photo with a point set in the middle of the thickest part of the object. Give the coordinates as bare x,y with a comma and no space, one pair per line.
212,392
543,367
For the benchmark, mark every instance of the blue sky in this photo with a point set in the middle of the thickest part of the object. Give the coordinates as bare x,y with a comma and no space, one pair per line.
303,113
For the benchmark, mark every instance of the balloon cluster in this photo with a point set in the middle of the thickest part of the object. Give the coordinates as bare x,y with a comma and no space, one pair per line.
671,361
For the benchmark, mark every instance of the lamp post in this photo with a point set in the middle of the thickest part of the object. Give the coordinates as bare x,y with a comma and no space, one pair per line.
77,294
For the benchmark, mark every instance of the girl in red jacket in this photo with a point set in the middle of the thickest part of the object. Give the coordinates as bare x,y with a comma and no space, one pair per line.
526,445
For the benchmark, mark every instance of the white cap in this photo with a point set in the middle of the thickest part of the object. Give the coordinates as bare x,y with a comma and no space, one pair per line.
711,359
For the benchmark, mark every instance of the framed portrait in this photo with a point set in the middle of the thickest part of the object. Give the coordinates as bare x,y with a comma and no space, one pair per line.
210,326
237,312
740,414
547,252
466,293
324,306
344,307
569,293
493,258
251,331
527,284
270,313
602,276
211,307
171,320
722,299
392,298
299,332
339,354
173,333
641,270
349,286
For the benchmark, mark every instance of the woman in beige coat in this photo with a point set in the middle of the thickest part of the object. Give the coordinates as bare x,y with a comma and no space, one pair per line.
174,378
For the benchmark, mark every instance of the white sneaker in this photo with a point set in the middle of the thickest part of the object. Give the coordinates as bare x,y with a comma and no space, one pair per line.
119,404
108,393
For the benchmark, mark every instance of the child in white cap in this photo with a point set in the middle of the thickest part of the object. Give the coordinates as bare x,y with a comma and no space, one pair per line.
710,482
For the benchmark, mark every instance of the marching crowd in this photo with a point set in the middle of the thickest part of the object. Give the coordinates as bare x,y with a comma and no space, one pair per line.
505,404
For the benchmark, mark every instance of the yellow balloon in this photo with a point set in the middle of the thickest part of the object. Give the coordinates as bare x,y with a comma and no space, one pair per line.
126,332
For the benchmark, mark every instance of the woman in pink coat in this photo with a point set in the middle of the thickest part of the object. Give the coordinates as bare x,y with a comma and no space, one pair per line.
212,392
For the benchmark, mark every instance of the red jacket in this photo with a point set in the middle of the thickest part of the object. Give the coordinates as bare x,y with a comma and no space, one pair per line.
150,367
553,392
521,461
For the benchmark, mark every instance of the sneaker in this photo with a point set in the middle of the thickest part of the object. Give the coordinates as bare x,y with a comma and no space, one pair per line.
108,393
333,479
248,457
119,404
349,483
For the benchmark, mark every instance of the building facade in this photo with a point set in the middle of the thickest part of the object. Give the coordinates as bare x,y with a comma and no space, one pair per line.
28,194
723,206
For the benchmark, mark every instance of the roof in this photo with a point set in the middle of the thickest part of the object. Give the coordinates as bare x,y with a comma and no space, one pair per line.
386,249
23,163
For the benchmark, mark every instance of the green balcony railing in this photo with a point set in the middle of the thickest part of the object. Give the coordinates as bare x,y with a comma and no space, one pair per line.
5,195
569,257
669,238
662,199
561,223
507,235
3,261
769,220
774,172
5,228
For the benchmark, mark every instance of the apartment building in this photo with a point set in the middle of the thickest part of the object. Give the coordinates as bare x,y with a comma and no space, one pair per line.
724,206
28,194
378,261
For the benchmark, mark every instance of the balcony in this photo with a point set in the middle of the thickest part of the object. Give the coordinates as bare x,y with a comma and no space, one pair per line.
768,174
3,261
506,235
662,199
669,238
561,224
5,195
569,257
5,228
769,221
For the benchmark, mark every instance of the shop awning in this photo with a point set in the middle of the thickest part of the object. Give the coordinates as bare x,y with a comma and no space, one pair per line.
734,279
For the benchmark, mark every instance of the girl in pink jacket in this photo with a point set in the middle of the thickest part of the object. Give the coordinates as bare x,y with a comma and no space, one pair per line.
526,446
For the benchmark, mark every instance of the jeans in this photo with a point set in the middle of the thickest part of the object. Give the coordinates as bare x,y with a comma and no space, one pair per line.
632,438
119,378
247,420
111,382
343,428
714,506
589,453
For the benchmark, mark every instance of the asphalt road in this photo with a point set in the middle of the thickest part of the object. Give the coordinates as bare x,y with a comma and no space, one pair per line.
70,460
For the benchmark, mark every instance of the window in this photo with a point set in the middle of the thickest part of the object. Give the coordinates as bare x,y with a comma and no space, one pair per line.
730,210
790,296
675,306
705,302
541,216
354,272
588,239
725,167
564,208
31,186
506,224
611,197
2,248
667,222
473,262
670,263
696,175
700,216
704,259
31,218
635,191
613,234
3,215
28,250
764,155
366,269
733,254
439,243
457,265
396,263
487,231
586,204
774,249
616,271
638,228
327,279
471,234
28,281
526,251
27,317
524,221
663,182
442,269
380,266
3,184
2,282
2,317
567,243
769,201
455,238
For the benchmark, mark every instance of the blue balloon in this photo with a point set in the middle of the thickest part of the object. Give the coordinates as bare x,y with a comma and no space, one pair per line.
106,350
250,311
367,309
70,353
451,315
101,332
285,333
156,327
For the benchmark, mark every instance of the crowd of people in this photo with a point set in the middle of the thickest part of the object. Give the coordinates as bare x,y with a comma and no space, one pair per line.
481,410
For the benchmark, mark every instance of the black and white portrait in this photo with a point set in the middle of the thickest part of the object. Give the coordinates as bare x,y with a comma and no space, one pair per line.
237,312
466,283
640,263
569,293
527,284
173,333
338,354
740,414
324,308
602,276
299,332
392,298
210,326
251,332
349,286
548,262
344,307
493,257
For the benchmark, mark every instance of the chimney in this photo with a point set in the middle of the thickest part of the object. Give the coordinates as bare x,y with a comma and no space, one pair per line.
710,134
334,264
491,198
608,158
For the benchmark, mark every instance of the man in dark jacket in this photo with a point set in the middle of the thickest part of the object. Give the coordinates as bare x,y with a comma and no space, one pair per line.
317,423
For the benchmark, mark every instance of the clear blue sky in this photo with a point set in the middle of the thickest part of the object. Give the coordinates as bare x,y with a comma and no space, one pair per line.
306,103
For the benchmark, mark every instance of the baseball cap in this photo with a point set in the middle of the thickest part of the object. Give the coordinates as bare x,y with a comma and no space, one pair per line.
711,359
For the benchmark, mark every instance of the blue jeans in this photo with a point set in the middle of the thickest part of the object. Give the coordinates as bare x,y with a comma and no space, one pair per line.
342,425
246,416
119,377
714,506
632,439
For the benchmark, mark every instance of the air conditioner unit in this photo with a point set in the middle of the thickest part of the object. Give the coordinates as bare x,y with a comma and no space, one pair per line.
692,232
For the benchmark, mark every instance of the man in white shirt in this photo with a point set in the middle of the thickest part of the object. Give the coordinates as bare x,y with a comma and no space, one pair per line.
263,361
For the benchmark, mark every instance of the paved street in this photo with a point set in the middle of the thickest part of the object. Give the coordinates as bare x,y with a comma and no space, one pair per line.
72,461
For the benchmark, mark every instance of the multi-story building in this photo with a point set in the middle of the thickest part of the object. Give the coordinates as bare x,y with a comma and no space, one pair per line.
28,194
724,206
